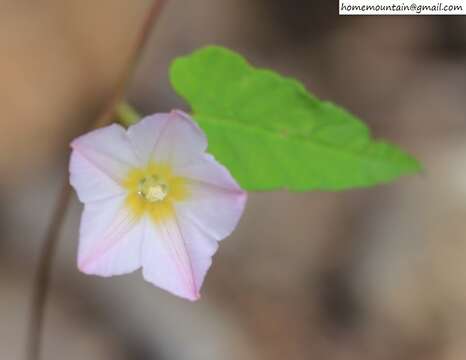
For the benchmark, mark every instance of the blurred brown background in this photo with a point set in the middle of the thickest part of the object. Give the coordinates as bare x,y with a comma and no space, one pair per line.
369,274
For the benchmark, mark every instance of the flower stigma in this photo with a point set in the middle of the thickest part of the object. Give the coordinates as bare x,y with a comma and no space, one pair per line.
152,188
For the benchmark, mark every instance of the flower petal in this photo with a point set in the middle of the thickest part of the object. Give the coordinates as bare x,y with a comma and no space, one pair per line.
110,239
109,152
90,183
145,134
178,252
216,201
200,245
182,141
205,169
166,259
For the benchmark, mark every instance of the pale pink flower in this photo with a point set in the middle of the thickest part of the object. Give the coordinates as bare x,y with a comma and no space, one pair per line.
153,199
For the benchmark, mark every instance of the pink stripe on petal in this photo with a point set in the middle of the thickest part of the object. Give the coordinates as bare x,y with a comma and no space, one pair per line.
145,134
116,232
205,169
217,211
91,184
165,260
110,239
109,150
182,141
216,202
200,245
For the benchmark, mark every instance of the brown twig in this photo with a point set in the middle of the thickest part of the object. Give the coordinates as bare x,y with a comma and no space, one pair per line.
43,273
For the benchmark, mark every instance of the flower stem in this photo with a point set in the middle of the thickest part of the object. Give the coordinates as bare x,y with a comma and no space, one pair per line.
43,273
126,114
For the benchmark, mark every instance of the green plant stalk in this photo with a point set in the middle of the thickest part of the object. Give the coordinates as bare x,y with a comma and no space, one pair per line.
126,115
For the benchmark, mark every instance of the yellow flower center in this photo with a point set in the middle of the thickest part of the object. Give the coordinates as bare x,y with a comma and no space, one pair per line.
153,190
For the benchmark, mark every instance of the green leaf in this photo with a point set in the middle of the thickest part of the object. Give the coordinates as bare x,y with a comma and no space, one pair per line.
271,133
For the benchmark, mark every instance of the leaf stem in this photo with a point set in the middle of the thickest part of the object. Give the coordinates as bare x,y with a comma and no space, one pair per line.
43,274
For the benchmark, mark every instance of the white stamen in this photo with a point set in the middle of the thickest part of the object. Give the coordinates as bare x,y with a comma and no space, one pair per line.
153,189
